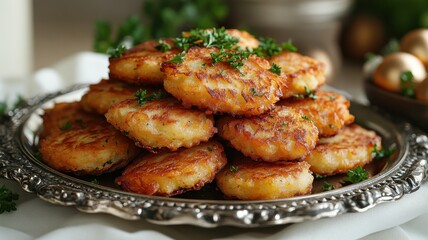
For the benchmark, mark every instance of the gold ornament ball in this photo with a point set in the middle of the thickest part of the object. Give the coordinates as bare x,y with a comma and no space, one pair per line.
422,91
387,74
416,43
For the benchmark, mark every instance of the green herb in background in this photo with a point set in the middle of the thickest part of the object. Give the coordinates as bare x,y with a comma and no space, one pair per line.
162,18
356,175
7,200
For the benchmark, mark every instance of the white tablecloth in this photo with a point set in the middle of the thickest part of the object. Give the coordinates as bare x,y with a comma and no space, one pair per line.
36,219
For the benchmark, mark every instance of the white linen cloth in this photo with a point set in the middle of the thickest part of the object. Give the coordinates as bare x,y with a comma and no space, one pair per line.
36,219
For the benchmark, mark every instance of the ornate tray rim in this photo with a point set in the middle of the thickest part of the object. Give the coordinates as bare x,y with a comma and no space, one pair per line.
405,177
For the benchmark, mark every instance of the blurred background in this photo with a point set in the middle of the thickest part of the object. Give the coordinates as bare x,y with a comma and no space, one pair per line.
36,34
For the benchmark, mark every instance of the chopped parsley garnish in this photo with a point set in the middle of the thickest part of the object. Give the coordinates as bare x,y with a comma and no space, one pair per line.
310,94
233,57
142,97
327,186
215,37
289,46
275,69
331,126
306,118
284,124
179,58
7,200
319,176
356,175
117,52
406,84
331,97
384,152
163,46
268,47
254,92
233,168
66,126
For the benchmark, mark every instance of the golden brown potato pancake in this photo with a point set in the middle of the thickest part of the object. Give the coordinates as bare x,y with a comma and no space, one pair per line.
220,88
282,134
102,95
298,73
245,179
171,173
351,147
85,144
328,110
161,123
141,65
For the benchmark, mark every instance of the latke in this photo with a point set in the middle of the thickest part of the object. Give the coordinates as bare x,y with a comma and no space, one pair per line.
351,147
220,88
141,64
161,123
171,173
85,144
282,134
245,179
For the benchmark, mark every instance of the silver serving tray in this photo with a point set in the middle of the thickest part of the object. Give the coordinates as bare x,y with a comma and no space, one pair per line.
402,174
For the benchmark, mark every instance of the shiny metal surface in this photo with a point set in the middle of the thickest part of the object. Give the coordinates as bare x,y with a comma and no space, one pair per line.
404,173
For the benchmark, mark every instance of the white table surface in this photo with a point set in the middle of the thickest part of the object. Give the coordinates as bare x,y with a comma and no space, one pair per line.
36,219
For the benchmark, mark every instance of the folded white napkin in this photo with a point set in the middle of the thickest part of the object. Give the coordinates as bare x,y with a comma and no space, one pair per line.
37,219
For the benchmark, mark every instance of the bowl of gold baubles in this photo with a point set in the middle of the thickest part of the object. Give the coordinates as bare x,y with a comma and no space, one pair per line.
398,82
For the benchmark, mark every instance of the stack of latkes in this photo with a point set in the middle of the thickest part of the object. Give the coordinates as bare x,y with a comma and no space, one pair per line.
213,104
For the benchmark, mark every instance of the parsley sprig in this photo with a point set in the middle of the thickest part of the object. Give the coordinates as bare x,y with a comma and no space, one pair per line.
308,93
356,175
163,46
406,84
384,152
179,58
275,69
268,47
7,200
117,52
215,37
142,97
233,57
327,186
